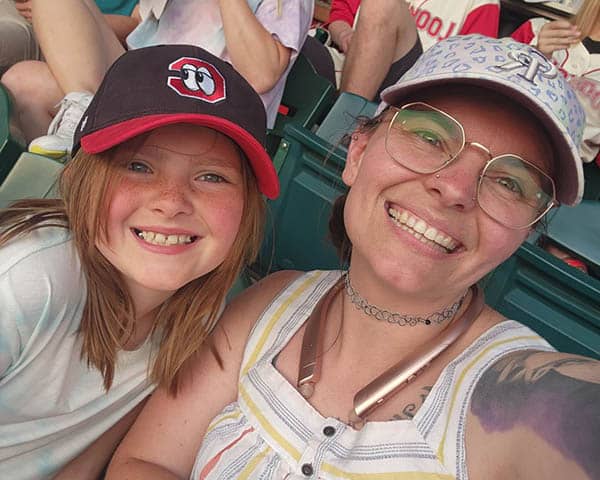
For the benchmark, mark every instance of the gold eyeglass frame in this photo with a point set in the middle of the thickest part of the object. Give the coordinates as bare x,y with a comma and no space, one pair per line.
553,202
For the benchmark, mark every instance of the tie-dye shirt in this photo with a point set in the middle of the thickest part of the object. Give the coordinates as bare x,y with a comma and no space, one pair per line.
198,22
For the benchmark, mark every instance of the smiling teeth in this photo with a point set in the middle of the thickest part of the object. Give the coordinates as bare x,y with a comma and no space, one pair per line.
421,231
161,239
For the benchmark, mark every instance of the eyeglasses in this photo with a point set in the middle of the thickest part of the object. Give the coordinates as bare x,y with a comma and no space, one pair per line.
511,190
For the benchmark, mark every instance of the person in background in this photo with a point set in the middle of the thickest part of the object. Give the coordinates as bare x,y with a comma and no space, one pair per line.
261,38
18,42
440,19
372,50
109,290
395,368
574,46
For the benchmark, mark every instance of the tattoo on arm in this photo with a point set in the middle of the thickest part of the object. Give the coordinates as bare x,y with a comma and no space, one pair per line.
555,395
409,410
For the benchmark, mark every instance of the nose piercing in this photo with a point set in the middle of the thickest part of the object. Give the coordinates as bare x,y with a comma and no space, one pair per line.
437,175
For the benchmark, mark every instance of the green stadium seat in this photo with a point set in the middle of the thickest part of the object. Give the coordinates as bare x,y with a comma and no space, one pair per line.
578,229
343,116
296,232
591,172
10,148
309,165
32,176
559,302
306,99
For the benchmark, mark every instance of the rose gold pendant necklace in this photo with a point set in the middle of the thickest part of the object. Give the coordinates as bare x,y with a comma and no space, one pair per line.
394,378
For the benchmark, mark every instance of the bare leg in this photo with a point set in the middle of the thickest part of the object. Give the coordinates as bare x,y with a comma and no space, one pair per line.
385,32
80,50
37,95
77,52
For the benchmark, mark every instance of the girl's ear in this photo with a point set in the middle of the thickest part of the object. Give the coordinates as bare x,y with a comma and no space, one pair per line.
356,151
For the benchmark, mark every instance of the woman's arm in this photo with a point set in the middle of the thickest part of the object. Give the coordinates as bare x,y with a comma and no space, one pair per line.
254,52
163,442
538,413
341,34
339,24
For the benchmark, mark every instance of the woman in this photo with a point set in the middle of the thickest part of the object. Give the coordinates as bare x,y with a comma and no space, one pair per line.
574,46
345,375
107,292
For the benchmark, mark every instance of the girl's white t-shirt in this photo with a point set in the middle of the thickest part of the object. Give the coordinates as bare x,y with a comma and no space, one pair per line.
52,405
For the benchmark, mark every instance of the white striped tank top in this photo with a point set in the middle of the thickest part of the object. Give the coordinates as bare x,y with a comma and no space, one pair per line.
271,432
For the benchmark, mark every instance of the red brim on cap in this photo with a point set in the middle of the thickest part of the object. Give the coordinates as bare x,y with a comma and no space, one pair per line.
115,134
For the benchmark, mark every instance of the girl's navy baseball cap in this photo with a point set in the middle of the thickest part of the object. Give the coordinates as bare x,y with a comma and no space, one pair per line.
155,86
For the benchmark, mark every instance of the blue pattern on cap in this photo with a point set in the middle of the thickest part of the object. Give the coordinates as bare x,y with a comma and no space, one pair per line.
513,67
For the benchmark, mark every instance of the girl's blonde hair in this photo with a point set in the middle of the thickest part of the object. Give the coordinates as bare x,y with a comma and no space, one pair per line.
587,17
184,320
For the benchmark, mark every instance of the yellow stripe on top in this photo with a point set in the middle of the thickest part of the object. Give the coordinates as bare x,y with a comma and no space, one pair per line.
461,378
311,278
326,467
231,416
280,439
249,468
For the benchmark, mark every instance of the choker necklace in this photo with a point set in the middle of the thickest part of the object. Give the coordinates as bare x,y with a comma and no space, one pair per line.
394,378
398,318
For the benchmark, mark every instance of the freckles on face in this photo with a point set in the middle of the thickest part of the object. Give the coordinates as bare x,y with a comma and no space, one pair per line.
176,207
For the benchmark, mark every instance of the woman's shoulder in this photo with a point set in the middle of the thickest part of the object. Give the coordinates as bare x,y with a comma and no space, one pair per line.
276,289
262,293
253,301
543,403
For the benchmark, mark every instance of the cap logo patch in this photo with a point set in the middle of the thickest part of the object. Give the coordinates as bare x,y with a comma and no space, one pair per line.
197,79
532,63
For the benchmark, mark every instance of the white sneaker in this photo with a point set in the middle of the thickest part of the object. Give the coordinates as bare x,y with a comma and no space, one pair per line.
59,140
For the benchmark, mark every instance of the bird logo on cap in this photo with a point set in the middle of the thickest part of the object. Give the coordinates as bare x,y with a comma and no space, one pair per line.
197,79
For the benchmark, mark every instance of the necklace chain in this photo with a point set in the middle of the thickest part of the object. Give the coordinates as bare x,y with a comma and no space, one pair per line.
399,318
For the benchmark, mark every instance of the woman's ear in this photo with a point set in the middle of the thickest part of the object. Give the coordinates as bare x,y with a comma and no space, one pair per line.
354,158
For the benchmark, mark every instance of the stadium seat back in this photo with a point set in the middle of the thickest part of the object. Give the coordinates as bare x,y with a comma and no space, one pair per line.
10,148
306,99
343,117
32,176
559,302
578,229
297,227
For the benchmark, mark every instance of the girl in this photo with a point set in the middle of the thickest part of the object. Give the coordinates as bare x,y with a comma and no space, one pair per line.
395,369
110,290
574,46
